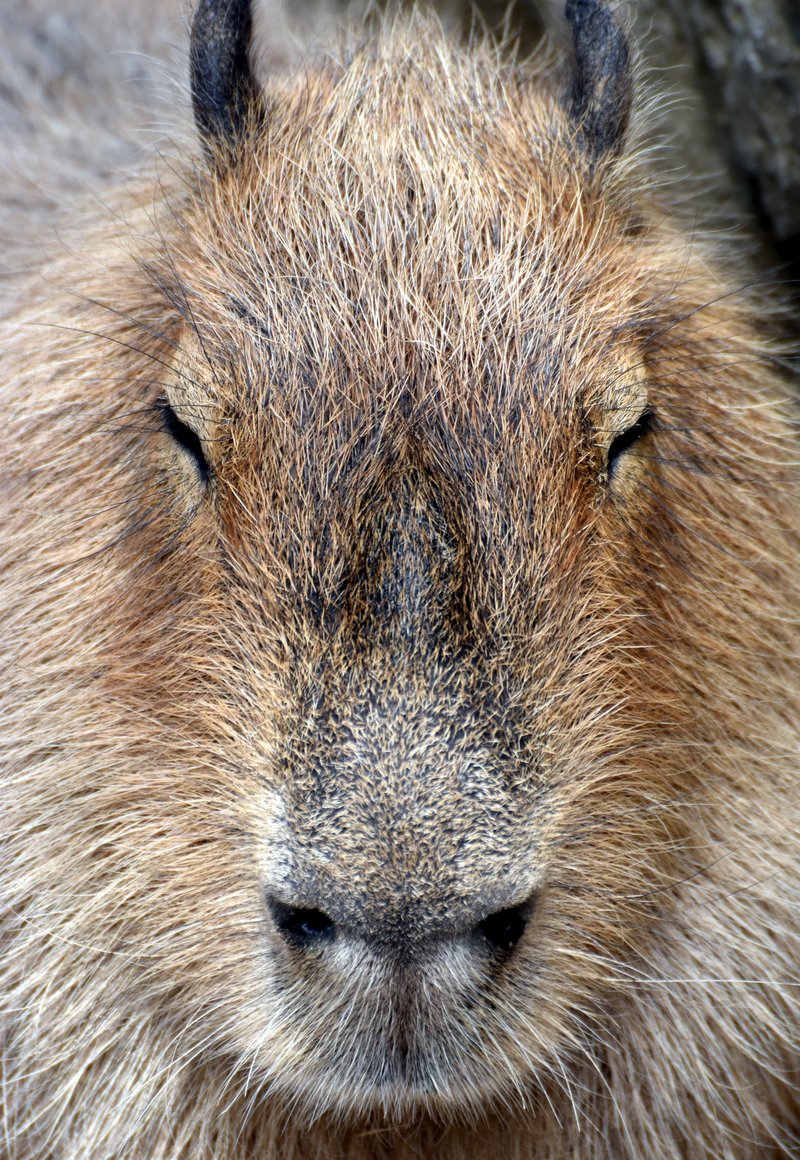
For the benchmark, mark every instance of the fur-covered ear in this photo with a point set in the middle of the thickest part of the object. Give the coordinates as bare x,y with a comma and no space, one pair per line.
222,81
602,88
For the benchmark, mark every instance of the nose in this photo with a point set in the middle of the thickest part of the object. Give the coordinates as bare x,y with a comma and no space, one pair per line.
308,929
302,926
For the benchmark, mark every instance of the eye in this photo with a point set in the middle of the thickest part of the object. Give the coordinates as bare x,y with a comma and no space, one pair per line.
623,442
183,435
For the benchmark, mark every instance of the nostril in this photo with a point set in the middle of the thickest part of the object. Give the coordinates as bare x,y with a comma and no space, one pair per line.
302,925
503,929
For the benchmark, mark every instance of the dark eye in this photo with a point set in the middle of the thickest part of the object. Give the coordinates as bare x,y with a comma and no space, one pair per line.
626,439
188,439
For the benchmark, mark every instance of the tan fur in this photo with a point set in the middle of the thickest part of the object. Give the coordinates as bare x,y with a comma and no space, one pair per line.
407,324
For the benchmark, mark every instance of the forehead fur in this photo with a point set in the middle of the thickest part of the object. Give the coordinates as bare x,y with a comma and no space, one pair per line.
402,268
414,211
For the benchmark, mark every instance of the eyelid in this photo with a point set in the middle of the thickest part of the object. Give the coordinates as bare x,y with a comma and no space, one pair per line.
626,439
185,436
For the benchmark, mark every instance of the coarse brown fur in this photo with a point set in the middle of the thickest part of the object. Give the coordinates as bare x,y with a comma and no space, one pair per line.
410,653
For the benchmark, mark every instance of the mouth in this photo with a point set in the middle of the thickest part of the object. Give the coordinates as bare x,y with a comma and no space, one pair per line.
383,1045
395,1086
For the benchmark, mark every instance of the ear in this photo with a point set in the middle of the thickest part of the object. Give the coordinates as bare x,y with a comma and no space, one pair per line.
601,91
223,85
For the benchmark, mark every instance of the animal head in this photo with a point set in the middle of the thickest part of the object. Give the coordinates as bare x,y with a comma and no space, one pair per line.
408,564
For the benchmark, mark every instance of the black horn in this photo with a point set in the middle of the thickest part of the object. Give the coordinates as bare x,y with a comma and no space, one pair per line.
601,91
222,81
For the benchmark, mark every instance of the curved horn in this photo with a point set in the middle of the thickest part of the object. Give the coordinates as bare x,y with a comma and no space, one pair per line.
222,81
601,92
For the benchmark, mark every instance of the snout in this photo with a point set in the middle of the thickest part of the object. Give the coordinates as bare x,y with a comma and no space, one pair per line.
398,1006
403,932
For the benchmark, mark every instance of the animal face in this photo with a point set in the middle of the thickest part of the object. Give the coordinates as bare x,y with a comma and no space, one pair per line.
413,428
399,706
